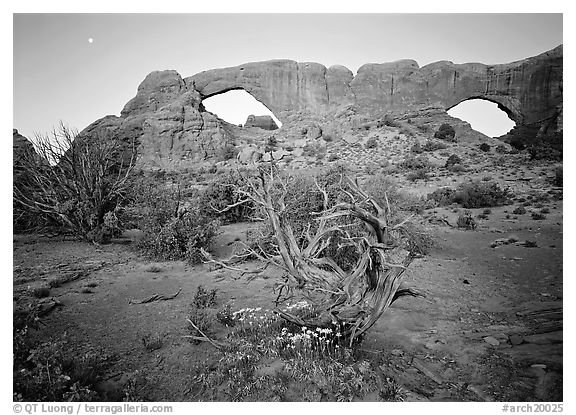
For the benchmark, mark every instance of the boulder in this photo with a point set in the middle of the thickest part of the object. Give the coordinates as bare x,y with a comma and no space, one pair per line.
265,122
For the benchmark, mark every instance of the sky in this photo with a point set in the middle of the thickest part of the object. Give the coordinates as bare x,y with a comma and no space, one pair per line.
80,67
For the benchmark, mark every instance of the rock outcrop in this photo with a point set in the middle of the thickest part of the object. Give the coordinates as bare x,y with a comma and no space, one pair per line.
529,90
173,128
264,122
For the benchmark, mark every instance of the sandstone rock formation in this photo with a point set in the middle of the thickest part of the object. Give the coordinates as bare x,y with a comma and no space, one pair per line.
173,128
265,122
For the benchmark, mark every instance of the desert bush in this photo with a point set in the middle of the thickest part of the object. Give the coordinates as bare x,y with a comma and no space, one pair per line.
406,131
173,229
481,194
457,168
431,145
204,321
314,150
203,298
443,196
501,149
55,372
416,148
419,174
472,195
485,147
179,238
425,128
372,143
520,210
219,200
538,216
445,132
416,163
73,181
228,152
453,160
389,121
466,221
225,316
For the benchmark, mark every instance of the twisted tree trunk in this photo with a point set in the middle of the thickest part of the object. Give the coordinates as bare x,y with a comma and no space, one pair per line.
350,300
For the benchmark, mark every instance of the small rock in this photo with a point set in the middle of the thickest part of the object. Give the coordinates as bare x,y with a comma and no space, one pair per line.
513,238
538,366
491,340
516,340
466,281
396,352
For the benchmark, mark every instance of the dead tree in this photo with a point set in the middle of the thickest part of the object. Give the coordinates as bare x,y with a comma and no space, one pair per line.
73,181
351,300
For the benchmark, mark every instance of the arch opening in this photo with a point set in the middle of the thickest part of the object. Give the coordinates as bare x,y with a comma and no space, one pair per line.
236,105
487,117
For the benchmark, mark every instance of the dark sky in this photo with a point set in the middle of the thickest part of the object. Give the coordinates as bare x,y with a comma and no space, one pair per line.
60,75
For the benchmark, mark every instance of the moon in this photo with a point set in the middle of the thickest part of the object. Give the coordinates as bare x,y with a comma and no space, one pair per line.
90,40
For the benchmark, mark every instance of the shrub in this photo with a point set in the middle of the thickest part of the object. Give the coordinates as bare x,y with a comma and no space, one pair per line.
416,148
416,163
203,298
228,152
457,168
466,221
443,196
314,150
203,319
472,195
538,216
481,194
221,193
180,238
72,181
225,316
172,229
453,160
501,148
434,145
445,132
485,147
55,372
372,143
390,122
419,174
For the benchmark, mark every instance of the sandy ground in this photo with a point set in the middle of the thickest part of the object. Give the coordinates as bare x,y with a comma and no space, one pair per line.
489,328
